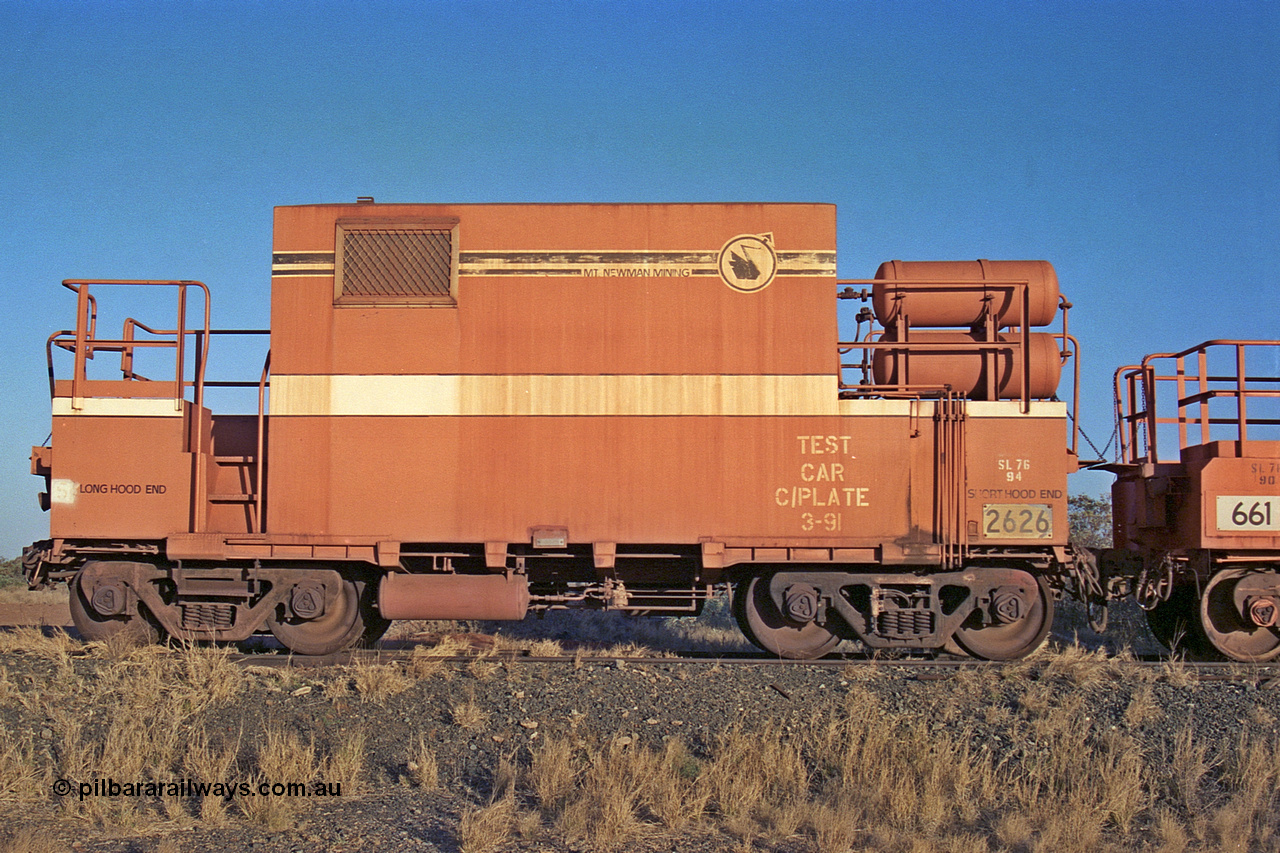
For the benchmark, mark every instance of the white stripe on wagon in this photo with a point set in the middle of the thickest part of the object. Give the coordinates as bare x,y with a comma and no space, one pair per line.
118,407
554,395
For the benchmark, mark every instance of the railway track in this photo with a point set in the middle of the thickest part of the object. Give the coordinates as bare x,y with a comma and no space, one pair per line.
923,668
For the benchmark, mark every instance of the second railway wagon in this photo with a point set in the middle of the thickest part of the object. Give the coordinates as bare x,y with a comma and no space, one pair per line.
474,411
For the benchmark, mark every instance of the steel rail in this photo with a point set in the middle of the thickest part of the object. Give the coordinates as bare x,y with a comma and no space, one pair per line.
922,667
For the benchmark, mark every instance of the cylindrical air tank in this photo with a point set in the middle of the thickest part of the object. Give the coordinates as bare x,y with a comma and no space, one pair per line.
961,364
452,596
944,293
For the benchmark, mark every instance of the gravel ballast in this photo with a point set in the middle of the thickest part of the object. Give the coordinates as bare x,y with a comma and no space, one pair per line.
488,717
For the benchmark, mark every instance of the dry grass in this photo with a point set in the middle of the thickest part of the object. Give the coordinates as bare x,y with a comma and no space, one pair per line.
605,811
864,779
487,828
378,682
429,661
1143,708
207,763
345,765
27,840
1251,818
468,714
1186,770
19,594
422,765
545,648
552,775
1082,666
1175,671
57,646
143,700
604,794
283,756
136,715
858,777
20,773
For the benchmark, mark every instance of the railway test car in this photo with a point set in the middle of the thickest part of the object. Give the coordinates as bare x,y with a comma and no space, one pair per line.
1196,501
474,411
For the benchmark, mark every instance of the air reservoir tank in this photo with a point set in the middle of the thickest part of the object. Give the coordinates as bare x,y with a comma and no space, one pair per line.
954,293
961,360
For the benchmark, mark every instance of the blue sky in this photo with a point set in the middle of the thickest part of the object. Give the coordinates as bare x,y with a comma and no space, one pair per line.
1136,145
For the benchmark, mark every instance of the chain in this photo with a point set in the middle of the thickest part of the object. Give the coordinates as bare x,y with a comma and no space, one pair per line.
1102,454
1088,587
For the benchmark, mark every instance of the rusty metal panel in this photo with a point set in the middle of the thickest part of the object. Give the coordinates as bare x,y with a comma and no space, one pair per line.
626,479
120,475
1236,500
579,330
572,289
819,481
233,473
1015,475
1215,498
611,373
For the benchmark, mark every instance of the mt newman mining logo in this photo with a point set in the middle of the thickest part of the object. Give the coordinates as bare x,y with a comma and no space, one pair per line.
748,262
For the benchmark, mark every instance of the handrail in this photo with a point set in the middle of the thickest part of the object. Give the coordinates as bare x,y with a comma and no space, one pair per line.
1018,347
86,339
48,351
260,485
1138,407
83,342
1075,387
1014,348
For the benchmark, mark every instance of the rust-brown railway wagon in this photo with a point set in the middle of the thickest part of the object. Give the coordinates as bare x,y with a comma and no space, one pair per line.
1196,500
472,411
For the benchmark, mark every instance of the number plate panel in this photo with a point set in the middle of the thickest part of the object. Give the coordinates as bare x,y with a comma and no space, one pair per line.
1249,513
1017,521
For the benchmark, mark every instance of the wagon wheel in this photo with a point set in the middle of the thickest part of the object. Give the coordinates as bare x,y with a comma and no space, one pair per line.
1227,628
1175,623
139,627
374,624
340,626
982,638
765,626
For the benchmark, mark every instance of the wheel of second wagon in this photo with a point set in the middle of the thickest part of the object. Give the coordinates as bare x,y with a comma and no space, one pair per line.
1175,623
1226,627
92,625
765,626
1009,640
340,625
